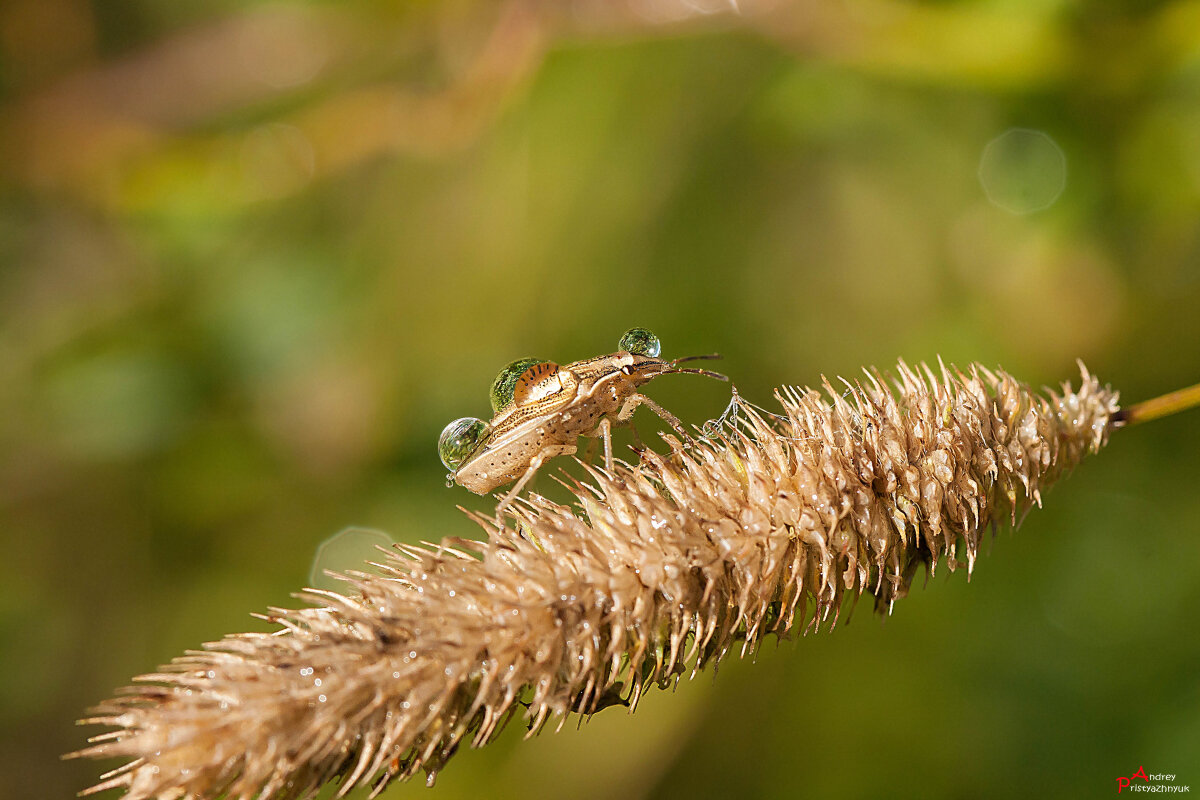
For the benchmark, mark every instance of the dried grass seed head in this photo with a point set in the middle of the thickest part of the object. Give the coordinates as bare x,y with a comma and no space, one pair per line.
766,525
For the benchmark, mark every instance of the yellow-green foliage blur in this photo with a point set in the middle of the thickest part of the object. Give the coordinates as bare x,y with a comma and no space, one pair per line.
254,256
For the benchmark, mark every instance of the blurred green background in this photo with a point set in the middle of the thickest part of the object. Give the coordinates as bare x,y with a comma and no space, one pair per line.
255,256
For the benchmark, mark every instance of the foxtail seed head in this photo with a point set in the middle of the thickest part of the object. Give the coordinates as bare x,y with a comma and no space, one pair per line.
765,526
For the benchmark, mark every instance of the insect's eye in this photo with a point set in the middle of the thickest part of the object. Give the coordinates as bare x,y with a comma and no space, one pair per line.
460,439
506,381
640,342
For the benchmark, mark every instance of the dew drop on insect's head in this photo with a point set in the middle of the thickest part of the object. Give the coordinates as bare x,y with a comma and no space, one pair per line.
460,439
502,388
640,342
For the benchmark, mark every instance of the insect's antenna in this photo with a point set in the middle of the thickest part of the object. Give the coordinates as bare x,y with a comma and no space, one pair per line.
707,372
705,357
673,366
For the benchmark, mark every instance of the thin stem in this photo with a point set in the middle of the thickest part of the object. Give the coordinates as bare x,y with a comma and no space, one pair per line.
1162,406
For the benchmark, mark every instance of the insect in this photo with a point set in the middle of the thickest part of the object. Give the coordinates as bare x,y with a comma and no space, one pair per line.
541,409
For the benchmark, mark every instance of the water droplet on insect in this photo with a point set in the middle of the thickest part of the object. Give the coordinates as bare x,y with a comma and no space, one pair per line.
640,342
501,394
459,440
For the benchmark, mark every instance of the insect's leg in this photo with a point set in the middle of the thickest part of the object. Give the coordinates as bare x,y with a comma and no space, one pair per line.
534,464
605,429
636,400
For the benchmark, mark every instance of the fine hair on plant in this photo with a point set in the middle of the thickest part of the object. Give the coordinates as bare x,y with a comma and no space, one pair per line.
763,523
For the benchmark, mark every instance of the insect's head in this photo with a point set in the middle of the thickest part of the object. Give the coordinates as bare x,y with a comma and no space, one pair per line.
644,363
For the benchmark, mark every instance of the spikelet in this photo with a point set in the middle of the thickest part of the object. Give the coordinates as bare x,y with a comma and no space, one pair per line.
764,525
